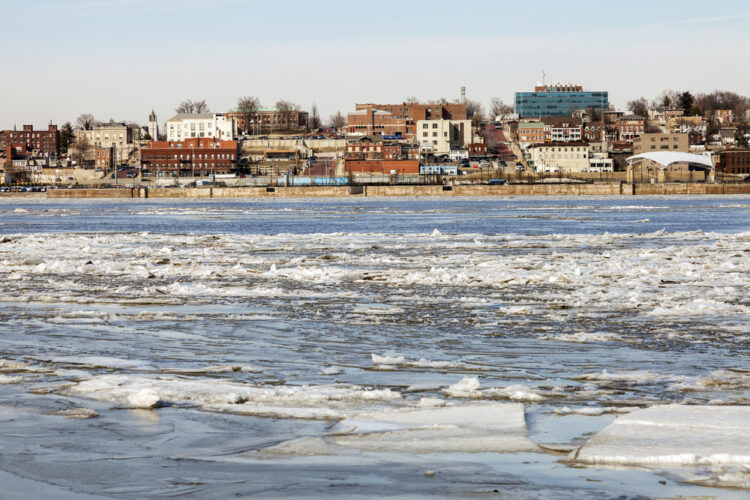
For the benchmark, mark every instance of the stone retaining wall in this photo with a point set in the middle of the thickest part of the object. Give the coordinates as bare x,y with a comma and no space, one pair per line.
598,189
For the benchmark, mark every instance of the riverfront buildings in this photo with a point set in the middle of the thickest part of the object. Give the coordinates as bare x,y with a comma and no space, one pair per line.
194,157
46,142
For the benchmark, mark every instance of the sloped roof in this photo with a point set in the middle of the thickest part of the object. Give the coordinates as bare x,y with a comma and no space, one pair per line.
191,116
667,158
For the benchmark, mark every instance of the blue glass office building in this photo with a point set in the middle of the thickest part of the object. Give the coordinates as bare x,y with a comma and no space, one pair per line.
555,102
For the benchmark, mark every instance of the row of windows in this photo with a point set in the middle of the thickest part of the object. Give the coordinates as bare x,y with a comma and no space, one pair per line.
199,156
197,165
546,149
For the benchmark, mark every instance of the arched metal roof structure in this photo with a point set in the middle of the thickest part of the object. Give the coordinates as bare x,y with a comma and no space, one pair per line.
666,158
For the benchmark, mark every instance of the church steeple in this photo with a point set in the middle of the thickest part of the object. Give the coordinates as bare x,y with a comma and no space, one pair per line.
153,126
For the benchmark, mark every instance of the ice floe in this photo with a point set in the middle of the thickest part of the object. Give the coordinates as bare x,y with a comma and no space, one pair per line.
468,387
311,401
673,435
473,428
387,362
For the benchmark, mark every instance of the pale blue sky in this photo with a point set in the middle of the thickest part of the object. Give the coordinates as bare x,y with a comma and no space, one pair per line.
120,59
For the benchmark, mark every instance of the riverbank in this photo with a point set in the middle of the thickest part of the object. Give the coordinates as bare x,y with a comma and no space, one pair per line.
596,189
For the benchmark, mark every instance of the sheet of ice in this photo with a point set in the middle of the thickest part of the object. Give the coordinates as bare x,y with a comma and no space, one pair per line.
673,435
388,361
583,337
474,428
594,411
311,401
5,379
632,377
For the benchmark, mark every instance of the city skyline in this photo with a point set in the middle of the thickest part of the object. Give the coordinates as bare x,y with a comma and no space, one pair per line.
120,60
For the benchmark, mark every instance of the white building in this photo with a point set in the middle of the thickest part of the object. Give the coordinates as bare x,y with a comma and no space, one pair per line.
598,164
441,136
560,157
213,125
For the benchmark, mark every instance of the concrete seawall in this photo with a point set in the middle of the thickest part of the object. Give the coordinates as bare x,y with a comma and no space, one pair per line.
598,189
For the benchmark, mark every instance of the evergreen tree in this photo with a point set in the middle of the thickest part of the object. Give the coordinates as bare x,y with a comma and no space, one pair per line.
66,137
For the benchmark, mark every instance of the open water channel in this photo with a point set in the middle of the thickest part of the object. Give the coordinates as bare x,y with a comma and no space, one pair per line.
473,347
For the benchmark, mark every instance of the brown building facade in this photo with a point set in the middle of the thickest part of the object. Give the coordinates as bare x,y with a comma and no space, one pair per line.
376,122
104,157
46,142
400,119
417,111
379,151
200,156
270,120
734,161
647,142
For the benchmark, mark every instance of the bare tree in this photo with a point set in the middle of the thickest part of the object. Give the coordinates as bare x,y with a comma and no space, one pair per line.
721,99
190,107
337,120
499,108
638,107
247,108
85,121
474,112
411,100
667,98
286,111
80,148
314,120
593,114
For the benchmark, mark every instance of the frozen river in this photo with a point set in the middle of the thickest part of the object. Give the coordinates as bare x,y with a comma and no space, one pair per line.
525,347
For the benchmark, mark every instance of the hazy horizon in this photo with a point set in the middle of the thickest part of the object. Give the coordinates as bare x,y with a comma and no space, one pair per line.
121,59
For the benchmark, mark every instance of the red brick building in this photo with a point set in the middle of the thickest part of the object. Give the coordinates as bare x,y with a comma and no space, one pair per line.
369,150
417,111
200,156
594,131
734,161
477,149
386,167
46,142
631,126
373,121
371,155
104,157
